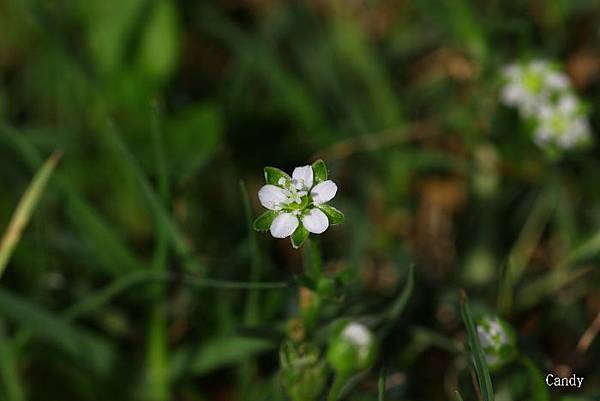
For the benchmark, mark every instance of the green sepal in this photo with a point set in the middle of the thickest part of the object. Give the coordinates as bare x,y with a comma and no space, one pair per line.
299,236
273,174
334,215
263,222
319,171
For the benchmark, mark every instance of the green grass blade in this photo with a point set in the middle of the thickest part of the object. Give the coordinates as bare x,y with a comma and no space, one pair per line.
109,250
157,346
539,390
483,374
388,317
523,249
25,209
405,295
381,386
215,354
546,285
588,249
8,368
85,349
458,396
163,218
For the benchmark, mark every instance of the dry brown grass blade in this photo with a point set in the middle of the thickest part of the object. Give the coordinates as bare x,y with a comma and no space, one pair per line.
25,208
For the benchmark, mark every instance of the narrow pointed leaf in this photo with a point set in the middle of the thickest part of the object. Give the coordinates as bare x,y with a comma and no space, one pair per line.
299,236
481,368
334,215
273,174
319,171
263,222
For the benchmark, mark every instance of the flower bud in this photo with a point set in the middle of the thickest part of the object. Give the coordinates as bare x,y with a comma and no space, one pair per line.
303,372
498,341
352,349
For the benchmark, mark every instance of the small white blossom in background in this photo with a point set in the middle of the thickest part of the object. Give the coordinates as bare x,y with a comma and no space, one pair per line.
528,87
297,204
497,340
544,94
562,124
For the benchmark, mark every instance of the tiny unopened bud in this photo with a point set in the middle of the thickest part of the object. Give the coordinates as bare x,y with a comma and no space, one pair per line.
303,372
352,349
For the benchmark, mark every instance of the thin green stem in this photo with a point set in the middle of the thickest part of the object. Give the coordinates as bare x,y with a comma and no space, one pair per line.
8,371
157,350
337,387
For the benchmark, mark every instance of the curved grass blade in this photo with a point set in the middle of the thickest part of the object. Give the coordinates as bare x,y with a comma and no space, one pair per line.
387,318
163,218
25,209
109,250
483,374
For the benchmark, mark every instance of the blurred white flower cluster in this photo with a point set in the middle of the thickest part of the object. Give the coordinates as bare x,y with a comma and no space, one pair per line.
543,93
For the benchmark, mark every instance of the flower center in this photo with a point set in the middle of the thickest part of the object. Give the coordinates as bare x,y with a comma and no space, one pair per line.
533,81
558,124
298,198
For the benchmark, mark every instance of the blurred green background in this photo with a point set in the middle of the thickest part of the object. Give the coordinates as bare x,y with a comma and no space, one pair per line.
132,280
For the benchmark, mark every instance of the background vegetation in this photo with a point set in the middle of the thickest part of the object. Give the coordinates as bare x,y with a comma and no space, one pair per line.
138,276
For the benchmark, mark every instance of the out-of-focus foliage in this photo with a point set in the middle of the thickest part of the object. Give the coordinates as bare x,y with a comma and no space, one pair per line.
139,277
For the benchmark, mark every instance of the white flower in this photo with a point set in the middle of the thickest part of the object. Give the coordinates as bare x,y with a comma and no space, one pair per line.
529,87
297,204
497,340
562,124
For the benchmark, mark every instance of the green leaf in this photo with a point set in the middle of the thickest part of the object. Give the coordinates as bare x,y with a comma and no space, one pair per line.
319,171
538,389
334,215
187,152
273,174
263,222
215,354
481,368
299,236
159,44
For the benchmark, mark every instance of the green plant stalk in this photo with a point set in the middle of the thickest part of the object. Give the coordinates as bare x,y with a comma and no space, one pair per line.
381,386
313,269
157,346
337,387
8,370
524,247
25,209
252,302
252,309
